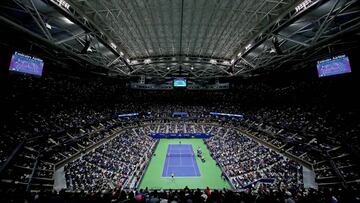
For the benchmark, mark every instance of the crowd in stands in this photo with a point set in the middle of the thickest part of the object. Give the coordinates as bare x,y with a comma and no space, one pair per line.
246,161
115,163
53,118
186,195
314,147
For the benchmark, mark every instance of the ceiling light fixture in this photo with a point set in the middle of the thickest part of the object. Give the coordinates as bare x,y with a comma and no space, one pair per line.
48,26
213,61
226,63
67,20
113,45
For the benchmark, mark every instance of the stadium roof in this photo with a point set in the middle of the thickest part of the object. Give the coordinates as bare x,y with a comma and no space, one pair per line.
195,38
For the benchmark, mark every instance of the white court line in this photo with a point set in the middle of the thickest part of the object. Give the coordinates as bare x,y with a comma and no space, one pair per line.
193,166
180,159
182,166
167,165
180,150
177,177
182,163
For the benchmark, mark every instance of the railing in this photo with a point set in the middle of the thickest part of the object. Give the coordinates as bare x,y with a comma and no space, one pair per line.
32,174
154,121
269,145
14,153
147,165
222,169
89,148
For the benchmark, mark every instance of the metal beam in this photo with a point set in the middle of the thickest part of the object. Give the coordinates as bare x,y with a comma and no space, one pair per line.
247,62
42,40
283,20
71,37
87,24
319,43
292,40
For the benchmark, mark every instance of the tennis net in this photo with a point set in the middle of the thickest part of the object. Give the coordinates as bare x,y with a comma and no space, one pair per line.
186,154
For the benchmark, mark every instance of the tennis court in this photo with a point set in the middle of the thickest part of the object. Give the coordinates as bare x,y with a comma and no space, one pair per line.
180,160
210,173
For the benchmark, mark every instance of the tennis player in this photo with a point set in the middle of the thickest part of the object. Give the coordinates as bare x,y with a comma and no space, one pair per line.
173,176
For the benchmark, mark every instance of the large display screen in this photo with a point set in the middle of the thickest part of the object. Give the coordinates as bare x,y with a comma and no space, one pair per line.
334,66
179,82
26,64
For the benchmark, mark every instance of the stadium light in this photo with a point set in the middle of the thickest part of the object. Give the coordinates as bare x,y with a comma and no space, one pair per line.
213,61
305,5
67,20
113,45
226,63
62,3
48,26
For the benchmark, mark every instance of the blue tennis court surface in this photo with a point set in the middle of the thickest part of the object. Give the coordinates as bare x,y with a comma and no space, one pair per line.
180,160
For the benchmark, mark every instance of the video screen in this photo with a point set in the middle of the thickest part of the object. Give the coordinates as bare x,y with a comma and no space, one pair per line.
334,66
26,64
179,82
